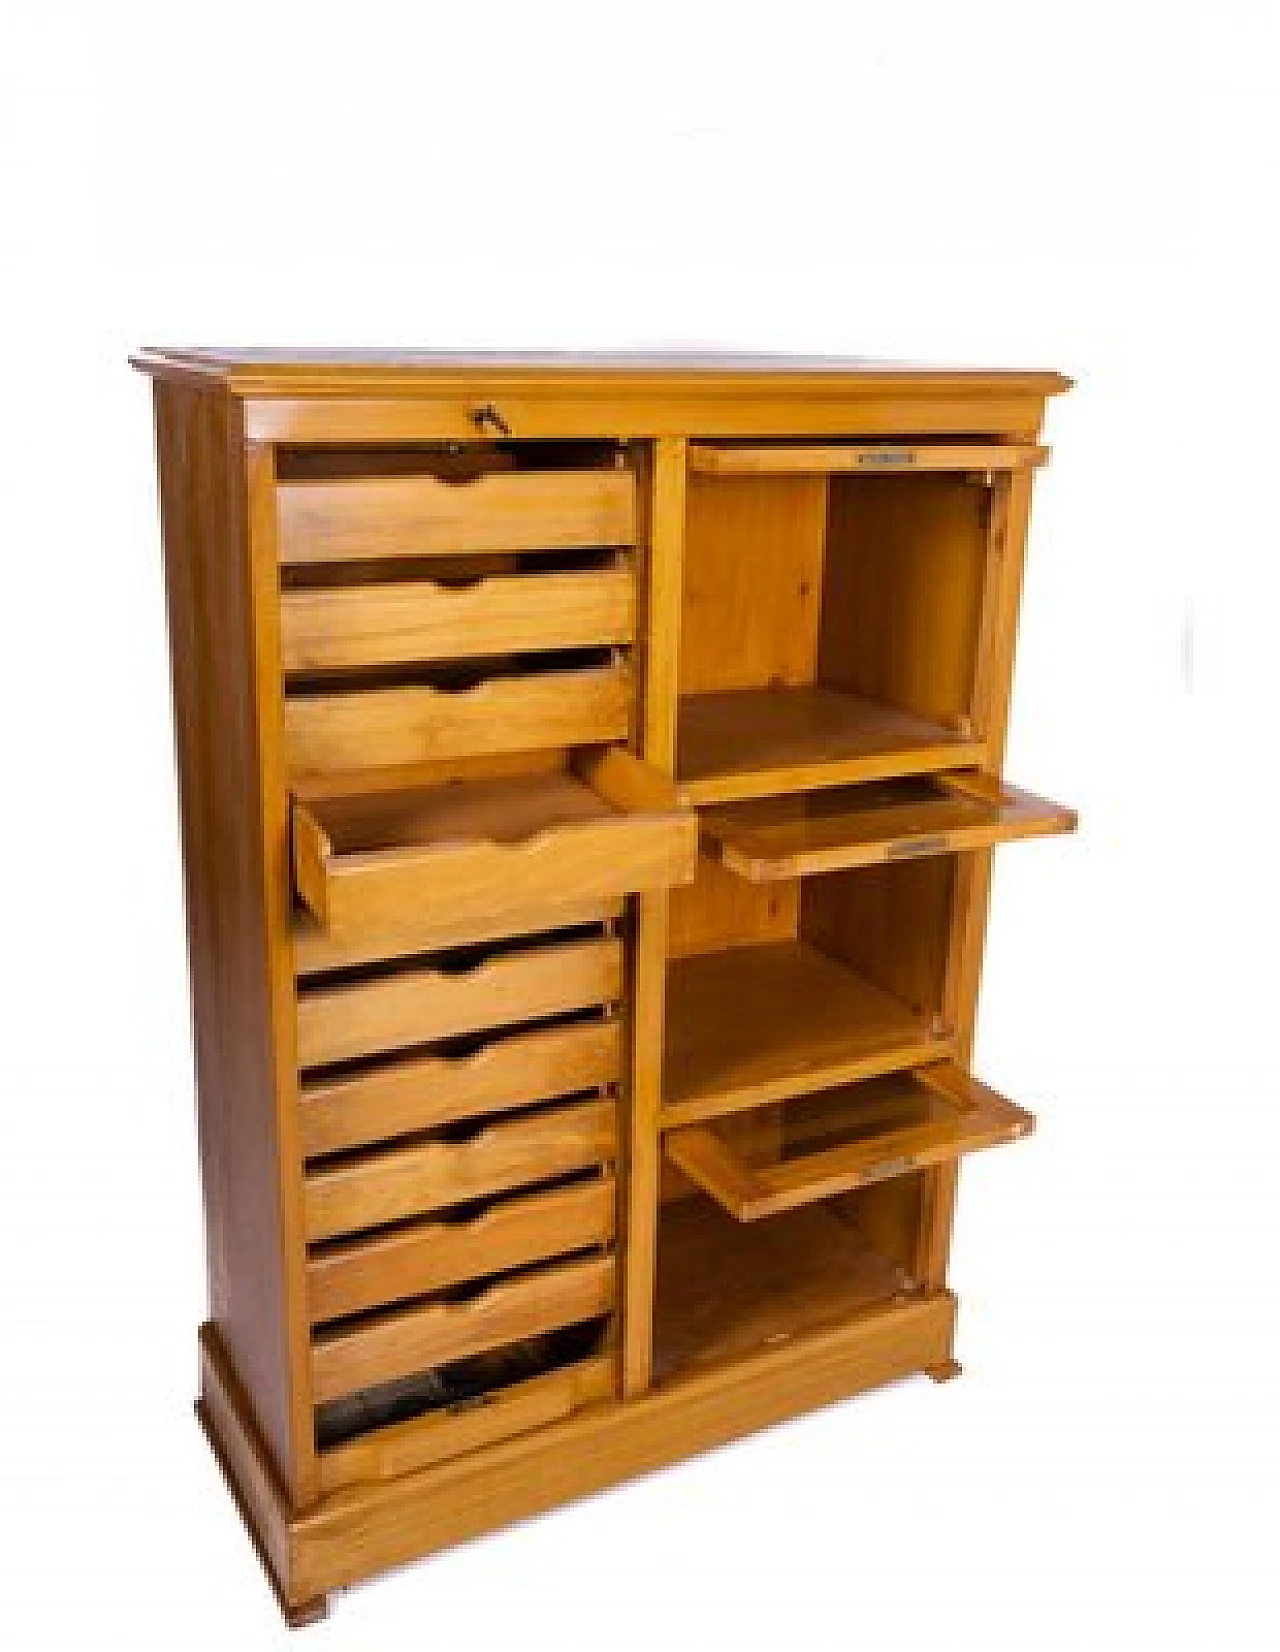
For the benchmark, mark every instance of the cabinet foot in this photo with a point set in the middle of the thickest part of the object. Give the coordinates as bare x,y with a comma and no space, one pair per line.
944,1370
297,1615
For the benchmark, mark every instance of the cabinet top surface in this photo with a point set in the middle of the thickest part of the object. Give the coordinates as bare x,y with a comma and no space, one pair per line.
255,371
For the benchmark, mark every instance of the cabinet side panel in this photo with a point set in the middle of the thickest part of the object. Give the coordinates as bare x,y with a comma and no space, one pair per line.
211,640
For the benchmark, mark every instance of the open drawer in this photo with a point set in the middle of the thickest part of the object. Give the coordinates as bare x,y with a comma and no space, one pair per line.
606,825
835,1141
832,831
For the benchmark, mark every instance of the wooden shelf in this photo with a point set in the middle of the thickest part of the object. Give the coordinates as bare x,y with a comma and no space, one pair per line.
874,458
761,1023
759,742
843,1139
777,838
726,1289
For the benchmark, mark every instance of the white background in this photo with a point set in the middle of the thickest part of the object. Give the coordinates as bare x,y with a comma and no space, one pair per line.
1085,187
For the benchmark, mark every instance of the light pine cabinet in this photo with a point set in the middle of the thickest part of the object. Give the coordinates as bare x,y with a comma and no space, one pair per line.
590,771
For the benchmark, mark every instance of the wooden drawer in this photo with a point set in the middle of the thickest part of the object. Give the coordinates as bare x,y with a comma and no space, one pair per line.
835,1141
415,1259
357,518
510,710
366,1352
830,831
445,855
399,1182
453,995
348,627
423,1092
498,1414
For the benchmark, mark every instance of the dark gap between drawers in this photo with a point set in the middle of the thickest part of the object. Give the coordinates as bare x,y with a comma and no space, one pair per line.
446,1049
459,1215
457,1133
457,1385
450,677
450,1296
451,960
457,571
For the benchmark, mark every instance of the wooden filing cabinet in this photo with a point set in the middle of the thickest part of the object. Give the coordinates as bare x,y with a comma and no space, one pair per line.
590,770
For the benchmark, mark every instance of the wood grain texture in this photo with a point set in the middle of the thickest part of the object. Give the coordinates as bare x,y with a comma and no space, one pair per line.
420,1005
521,711
368,1529
753,565
404,1448
871,1133
363,1528
234,832
792,459
365,1352
473,851
391,1184
832,831
478,1073
398,1098
760,742
416,516
342,628
433,1255
759,1023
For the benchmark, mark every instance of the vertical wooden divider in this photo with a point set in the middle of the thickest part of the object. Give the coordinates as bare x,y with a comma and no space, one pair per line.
993,686
662,542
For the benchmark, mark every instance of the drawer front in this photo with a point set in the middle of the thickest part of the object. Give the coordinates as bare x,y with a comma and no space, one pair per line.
451,884
352,519
425,1092
415,622
419,1006
434,1255
379,727
400,1448
399,1343
400,1182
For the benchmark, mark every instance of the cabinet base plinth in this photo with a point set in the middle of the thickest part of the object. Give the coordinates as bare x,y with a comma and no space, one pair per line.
944,1371
355,1533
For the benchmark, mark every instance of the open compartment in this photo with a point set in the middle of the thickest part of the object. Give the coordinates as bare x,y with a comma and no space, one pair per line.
785,987
599,824
726,1289
835,613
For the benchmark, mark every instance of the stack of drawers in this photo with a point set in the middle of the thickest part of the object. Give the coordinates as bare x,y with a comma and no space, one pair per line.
456,638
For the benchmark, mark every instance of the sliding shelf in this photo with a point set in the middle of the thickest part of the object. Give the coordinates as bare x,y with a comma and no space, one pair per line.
759,742
823,1145
829,459
776,838
759,1023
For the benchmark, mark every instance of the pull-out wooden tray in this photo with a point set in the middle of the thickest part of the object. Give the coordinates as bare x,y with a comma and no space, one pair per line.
877,458
843,1139
365,1190
831,831
607,825
342,519
380,1348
